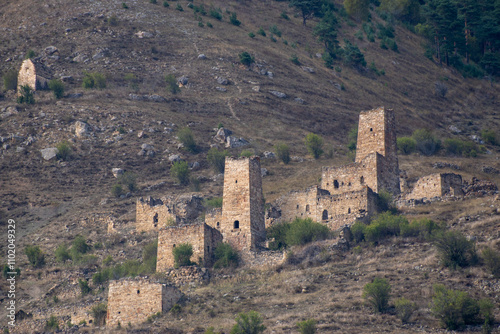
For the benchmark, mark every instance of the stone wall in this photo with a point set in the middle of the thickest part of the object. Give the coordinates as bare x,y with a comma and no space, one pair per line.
242,223
437,185
30,74
202,237
134,300
213,218
153,214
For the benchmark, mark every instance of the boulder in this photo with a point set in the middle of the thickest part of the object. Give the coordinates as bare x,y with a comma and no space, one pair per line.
269,155
222,135
278,94
233,142
202,56
146,147
50,50
81,129
174,158
264,172
143,34
222,81
49,153
183,80
117,172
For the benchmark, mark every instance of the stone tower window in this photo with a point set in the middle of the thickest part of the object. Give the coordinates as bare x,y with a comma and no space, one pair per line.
371,129
155,219
208,249
349,210
236,224
307,208
138,291
218,224
335,184
362,180
297,206
235,181
173,246
325,215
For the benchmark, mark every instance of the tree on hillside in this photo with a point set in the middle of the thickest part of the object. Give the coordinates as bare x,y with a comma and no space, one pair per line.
326,31
358,9
307,8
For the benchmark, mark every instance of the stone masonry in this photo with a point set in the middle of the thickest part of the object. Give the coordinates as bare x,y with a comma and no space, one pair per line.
437,185
134,300
33,74
201,237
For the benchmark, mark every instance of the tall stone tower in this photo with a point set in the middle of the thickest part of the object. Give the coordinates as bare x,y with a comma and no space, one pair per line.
243,224
377,134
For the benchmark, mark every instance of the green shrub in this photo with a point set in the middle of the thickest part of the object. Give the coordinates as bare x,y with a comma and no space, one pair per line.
283,152
274,30
251,34
30,54
358,231
108,260
246,153
165,4
352,137
185,136
10,80
352,55
62,254
385,224
182,255
455,250
261,32
128,180
7,271
423,228
35,256
491,259
172,85
405,309
52,324
406,145
149,254
426,142
314,145
180,171
215,202
294,59
303,231
179,7
64,150
225,256
93,80
377,294
385,201
460,147
84,287
117,190
57,87
248,323
246,58
217,159
79,245
234,20
215,14
307,326
489,136
99,313
284,15
195,183
486,312
454,308
278,232
27,96
124,5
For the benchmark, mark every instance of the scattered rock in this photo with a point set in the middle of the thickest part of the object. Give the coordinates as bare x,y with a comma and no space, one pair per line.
146,147
117,172
100,53
174,158
222,81
80,58
299,100
269,155
67,78
438,164
270,74
264,172
222,135
156,98
308,69
233,142
183,80
453,128
202,56
81,129
6,146
143,34
20,149
221,89
49,153
141,134
104,201
141,153
296,158
278,94
256,88
490,170
194,166
477,139
9,111
50,50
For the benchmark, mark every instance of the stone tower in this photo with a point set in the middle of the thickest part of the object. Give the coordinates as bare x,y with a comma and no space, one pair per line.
33,74
243,224
377,134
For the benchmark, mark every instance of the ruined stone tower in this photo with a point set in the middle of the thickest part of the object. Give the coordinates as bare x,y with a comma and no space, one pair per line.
242,224
33,74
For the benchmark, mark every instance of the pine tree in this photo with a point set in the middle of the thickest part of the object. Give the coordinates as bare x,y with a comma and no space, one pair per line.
359,9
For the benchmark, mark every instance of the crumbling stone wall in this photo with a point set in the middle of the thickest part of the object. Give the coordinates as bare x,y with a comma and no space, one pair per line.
202,237
242,223
31,74
134,300
437,185
153,214
213,218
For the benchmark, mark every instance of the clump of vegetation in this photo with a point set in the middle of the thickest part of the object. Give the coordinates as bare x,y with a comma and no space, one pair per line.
246,153
460,147
225,256
99,313
215,14
406,145
180,171
405,309
52,324
124,5
377,294
426,142
217,159
489,137
10,80
352,137
455,250
182,255
172,85
294,59
251,34
132,80
62,254
57,87
284,15
283,152
84,287
165,4
491,259
441,88
149,254
93,80
352,55
234,20
274,30
261,32
64,150
179,7
27,95
185,136
307,326
35,256
298,232
248,323
215,202
30,54
117,190
314,145
246,58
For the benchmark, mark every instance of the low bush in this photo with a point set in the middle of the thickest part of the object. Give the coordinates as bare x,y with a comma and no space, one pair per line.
62,254
455,251
489,137
64,151
385,201
377,294
215,14
274,30
298,232
491,259
79,245
27,95
57,87
307,326
215,202
185,136
248,323
180,171
294,59
246,153
99,313
358,231
404,309
182,255
217,159
314,145
406,145
10,80
35,256
179,7
52,324
172,85
234,20
261,32
30,54
454,308
128,180
149,254
460,147
251,34
117,190
426,142
225,256
384,225
352,55
246,58
352,137
94,80
283,152
424,229
84,287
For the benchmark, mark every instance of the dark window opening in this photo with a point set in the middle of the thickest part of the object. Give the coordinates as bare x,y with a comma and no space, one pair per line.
325,215
138,291
362,180
173,246
155,219
336,184
218,224
236,224
208,248
297,206
371,129
349,184
349,210
307,208
236,181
